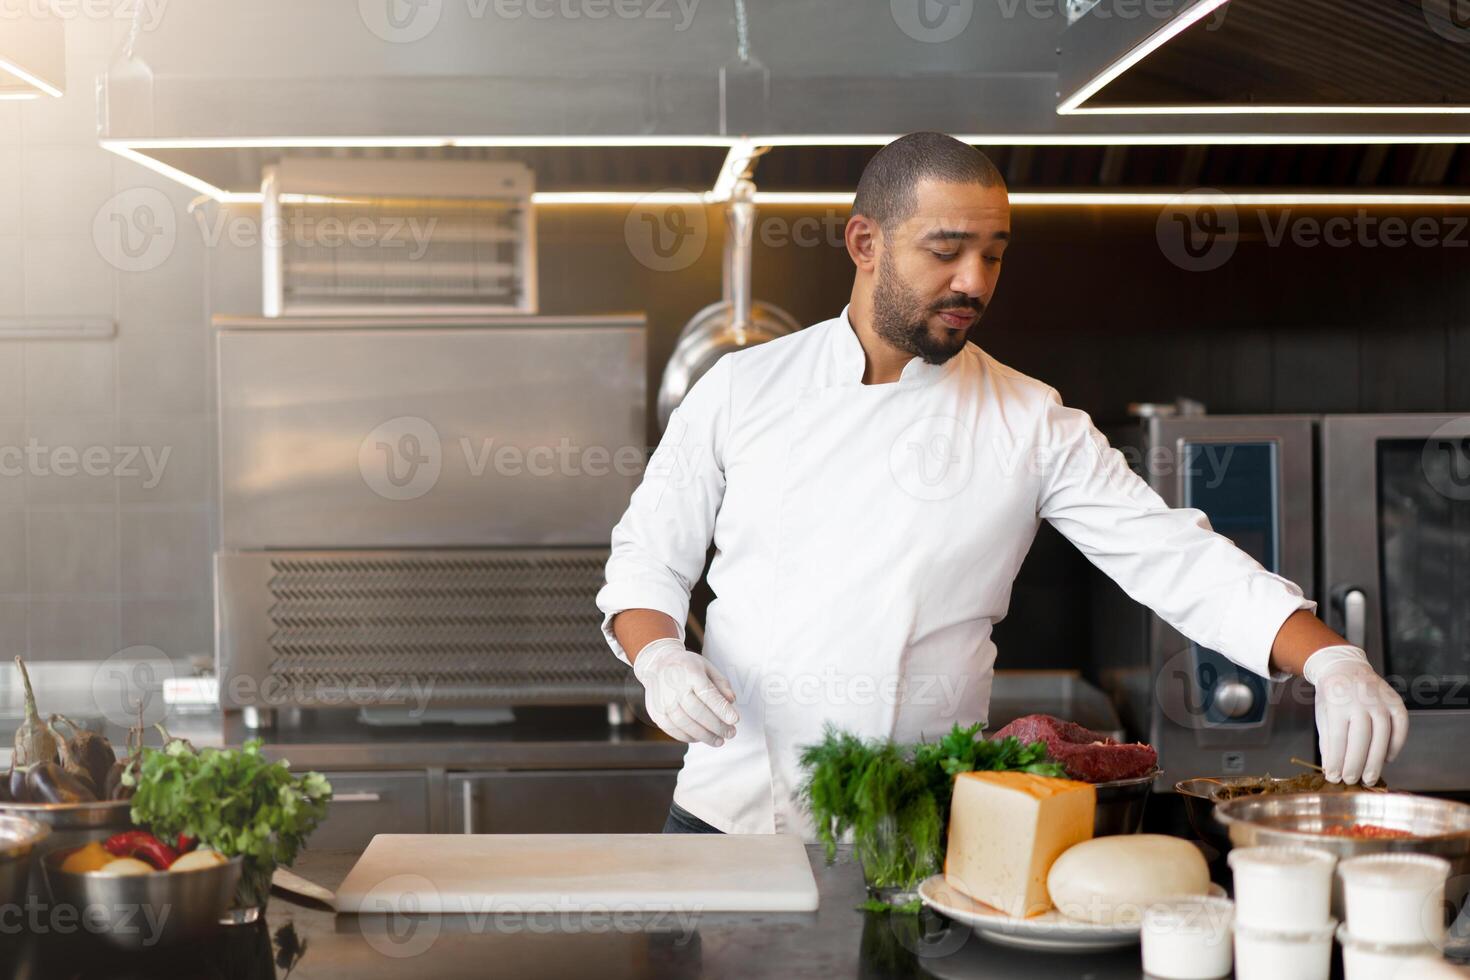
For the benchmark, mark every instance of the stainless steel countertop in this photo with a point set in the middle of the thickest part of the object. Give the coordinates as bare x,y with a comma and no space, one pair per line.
539,738
836,941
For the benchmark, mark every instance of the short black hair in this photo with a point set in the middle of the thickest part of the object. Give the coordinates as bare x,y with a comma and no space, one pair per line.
885,193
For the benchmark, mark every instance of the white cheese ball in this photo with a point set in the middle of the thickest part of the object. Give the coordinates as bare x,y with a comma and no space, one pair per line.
1111,880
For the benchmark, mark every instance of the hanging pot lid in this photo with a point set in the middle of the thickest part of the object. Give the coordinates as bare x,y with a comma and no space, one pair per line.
733,323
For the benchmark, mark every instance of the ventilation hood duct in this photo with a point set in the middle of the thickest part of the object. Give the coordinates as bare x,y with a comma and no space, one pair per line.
32,54
1121,57
216,90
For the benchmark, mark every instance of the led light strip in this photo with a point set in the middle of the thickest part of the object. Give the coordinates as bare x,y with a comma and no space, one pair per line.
11,68
1150,198
1273,110
1019,198
129,149
331,142
1131,139
1140,51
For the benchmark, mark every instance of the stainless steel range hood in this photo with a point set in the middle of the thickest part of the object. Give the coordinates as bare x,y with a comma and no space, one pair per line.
217,89
1259,56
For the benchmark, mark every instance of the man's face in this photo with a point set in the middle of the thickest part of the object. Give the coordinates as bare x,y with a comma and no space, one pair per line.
937,270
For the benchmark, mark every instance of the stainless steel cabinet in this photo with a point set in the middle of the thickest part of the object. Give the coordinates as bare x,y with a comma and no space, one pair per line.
368,803
604,801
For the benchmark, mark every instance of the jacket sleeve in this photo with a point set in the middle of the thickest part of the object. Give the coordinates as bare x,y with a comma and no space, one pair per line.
659,545
1168,559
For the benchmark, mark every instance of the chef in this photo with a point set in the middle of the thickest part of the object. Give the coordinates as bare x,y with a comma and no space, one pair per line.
871,485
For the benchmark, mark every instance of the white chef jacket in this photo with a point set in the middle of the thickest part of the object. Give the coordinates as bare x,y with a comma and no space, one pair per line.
866,540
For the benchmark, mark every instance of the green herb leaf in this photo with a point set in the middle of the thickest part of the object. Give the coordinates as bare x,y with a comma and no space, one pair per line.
235,801
895,800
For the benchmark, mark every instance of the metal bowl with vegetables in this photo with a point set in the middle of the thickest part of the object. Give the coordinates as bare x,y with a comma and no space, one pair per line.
58,765
1203,793
1351,824
19,840
130,904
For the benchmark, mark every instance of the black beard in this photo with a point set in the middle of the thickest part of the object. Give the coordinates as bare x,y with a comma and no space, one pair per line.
902,319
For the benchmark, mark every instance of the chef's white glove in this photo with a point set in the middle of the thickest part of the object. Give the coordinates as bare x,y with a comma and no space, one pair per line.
1361,720
686,695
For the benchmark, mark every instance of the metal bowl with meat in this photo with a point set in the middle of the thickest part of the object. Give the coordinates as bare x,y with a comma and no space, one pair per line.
1122,772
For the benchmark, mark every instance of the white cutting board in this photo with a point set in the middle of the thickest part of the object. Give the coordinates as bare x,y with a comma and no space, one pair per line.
490,873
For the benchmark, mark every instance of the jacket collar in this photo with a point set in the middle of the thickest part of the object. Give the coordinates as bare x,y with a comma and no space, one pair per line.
849,361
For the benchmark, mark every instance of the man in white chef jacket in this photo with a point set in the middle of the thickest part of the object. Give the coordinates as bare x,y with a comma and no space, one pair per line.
871,485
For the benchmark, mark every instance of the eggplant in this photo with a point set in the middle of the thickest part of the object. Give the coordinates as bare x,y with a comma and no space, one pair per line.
34,741
112,787
49,783
112,784
19,793
86,753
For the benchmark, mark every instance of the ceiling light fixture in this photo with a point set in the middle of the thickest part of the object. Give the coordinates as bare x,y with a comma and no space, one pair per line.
9,67
1223,109
1138,52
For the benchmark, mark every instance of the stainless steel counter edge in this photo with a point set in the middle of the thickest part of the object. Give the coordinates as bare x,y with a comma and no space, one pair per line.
457,754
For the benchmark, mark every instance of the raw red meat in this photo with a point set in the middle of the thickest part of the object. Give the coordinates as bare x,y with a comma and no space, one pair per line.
1086,755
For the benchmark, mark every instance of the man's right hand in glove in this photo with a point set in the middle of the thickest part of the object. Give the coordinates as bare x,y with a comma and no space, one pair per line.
685,694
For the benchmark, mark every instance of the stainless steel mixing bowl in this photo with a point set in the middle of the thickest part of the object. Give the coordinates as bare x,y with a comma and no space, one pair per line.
19,840
138,912
1120,805
1440,827
104,815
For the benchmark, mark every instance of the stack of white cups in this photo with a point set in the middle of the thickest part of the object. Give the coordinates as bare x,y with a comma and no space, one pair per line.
1283,913
1394,910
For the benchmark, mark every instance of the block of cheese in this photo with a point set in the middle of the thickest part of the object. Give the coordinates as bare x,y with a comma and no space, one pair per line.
1006,829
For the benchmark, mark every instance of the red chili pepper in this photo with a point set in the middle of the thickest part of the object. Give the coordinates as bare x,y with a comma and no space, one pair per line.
143,845
186,844
121,845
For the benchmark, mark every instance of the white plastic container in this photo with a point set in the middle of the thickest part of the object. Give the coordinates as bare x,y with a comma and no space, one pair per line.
1283,889
1396,899
1188,938
1265,954
1378,961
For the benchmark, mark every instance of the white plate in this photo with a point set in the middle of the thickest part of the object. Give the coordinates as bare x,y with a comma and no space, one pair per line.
1050,930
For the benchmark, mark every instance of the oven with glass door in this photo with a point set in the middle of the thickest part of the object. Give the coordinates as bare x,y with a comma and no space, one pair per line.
1395,559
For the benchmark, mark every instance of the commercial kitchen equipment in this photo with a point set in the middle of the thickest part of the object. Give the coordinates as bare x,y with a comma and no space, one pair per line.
415,514
1370,515
424,237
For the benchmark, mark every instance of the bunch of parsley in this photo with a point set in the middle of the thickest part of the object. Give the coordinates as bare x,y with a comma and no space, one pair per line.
895,799
235,801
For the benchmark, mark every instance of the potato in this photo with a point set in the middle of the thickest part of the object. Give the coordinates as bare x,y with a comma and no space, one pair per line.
198,861
125,866
1110,880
